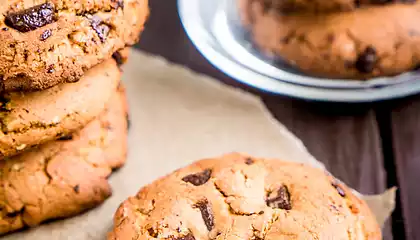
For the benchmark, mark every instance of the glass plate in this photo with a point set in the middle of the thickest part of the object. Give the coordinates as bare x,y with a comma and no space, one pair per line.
214,28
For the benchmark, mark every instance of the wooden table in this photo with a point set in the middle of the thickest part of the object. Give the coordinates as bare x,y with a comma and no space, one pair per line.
369,146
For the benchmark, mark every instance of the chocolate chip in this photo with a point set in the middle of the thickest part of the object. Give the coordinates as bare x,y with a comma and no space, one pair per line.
206,213
45,35
198,179
152,232
76,188
5,29
32,18
249,161
65,138
13,214
118,58
279,199
339,189
101,28
366,61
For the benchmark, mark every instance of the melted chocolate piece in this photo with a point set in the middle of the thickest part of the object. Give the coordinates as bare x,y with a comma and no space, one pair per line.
249,161
198,179
118,58
206,213
65,138
32,18
280,199
367,60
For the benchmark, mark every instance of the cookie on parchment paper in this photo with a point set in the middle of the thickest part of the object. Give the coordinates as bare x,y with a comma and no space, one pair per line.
64,177
240,197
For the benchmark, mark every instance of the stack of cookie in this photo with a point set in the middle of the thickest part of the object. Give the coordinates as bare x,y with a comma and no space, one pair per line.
63,112
337,38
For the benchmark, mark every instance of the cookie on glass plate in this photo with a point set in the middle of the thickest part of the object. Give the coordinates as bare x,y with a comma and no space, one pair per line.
349,45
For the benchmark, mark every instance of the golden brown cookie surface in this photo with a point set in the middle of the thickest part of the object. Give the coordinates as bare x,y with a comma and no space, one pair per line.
240,197
65,177
29,119
351,45
44,43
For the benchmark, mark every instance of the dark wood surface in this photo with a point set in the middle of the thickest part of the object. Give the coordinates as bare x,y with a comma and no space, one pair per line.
369,146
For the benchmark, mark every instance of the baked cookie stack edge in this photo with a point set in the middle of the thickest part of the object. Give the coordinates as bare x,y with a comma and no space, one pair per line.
63,109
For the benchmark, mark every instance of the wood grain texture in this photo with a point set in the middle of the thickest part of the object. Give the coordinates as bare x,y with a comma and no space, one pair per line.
344,137
406,138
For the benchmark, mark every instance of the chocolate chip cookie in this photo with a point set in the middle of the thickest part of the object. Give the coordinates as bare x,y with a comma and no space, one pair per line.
241,197
293,6
64,177
352,45
44,43
28,119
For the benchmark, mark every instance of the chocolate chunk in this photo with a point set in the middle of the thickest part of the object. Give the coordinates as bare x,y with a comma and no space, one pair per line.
13,214
101,28
198,179
367,60
45,35
76,188
249,161
206,213
339,189
65,138
32,18
279,199
118,58
152,232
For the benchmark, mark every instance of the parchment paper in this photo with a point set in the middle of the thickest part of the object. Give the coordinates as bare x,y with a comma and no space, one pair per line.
177,117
